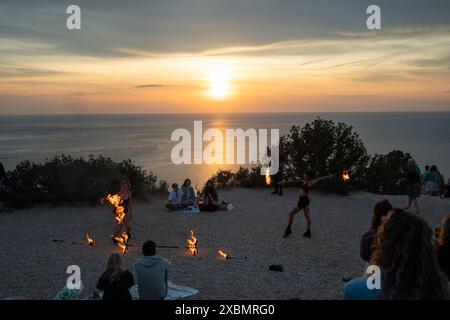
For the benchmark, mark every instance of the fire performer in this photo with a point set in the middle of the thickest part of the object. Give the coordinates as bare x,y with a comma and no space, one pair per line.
124,203
303,203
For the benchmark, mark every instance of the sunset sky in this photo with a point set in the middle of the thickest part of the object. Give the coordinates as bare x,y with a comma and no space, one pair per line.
223,56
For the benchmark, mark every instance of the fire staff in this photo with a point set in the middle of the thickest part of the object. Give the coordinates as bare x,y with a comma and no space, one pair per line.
303,203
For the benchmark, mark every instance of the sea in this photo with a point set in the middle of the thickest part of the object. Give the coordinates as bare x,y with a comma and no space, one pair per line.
146,138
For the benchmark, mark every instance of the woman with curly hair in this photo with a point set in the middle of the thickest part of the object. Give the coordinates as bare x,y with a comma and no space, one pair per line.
443,246
405,255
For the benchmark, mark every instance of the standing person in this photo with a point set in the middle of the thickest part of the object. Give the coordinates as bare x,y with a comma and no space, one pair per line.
413,184
443,246
380,210
125,201
188,197
447,189
433,181
175,198
422,178
3,189
406,257
115,282
278,178
303,204
152,273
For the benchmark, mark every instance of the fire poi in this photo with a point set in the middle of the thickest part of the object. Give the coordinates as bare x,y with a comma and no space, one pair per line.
268,179
193,244
346,176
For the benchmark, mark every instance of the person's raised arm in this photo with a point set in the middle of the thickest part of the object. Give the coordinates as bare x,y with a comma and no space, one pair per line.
315,181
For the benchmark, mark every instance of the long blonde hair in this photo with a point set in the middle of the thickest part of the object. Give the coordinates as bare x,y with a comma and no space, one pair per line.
113,267
444,235
404,252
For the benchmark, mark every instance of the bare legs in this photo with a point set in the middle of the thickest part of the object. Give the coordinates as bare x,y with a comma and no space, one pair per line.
413,201
292,214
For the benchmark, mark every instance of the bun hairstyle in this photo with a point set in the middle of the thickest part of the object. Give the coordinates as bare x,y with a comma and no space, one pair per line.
380,210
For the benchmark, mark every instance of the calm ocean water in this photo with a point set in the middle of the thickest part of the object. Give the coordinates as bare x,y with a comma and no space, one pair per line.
146,138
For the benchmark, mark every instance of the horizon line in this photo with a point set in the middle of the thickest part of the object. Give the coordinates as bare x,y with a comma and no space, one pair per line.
213,113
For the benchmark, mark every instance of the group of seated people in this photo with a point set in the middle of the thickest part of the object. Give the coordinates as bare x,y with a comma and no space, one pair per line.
186,197
414,261
151,271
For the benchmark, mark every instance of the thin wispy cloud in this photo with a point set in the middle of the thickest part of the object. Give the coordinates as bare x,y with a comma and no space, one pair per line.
150,85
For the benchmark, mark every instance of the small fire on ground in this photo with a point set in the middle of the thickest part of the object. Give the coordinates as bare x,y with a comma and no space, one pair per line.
90,241
223,254
193,244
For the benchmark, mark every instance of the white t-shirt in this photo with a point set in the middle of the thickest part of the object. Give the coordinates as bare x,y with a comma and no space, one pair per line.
175,196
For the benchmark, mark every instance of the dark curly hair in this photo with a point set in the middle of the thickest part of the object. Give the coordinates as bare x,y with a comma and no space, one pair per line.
405,254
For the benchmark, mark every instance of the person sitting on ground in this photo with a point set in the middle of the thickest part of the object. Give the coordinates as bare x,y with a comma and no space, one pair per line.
175,198
152,273
115,282
405,255
443,246
211,199
380,210
188,198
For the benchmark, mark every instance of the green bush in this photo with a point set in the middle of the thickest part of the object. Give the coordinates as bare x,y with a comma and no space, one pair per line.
384,173
64,179
223,178
326,148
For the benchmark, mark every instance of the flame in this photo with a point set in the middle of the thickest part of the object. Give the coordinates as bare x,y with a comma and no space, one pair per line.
120,210
89,240
122,241
193,244
346,176
223,254
268,179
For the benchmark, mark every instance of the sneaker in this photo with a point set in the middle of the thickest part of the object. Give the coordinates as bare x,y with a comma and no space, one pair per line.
275,192
307,234
287,232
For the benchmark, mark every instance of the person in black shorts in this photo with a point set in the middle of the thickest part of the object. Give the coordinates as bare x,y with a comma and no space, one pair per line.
303,204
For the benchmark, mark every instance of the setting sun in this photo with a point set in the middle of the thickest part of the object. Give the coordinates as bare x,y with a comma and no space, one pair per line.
219,83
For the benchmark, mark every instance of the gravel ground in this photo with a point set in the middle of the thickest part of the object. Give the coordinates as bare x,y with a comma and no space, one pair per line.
32,266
